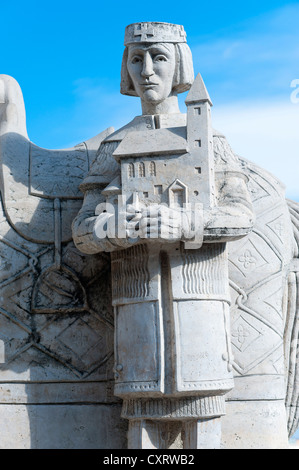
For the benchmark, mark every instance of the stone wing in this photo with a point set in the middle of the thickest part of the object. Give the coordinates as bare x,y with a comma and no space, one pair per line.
44,280
37,176
292,329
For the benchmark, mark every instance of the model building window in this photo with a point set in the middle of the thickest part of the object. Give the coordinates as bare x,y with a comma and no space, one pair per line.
131,170
141,169
152,169
158,190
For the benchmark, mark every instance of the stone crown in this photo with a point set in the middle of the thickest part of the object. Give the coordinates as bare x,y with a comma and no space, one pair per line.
154,32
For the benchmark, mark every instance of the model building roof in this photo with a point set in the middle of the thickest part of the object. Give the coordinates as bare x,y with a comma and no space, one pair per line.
198,92
153,142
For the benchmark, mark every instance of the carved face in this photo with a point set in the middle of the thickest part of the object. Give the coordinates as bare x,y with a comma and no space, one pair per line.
151,68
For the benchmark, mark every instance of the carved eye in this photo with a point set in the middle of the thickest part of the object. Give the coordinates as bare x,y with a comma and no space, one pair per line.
136,60
160,58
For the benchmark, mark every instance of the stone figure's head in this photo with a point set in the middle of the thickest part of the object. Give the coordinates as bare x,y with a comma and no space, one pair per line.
157,62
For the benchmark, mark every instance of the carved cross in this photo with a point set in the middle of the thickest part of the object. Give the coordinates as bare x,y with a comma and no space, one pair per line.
144,31
183,34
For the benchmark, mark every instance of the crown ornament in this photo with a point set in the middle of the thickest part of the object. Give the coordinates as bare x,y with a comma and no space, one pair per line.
154,32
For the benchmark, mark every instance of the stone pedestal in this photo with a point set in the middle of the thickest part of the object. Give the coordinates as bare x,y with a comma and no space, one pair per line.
202,434
194,434
62,426
255,424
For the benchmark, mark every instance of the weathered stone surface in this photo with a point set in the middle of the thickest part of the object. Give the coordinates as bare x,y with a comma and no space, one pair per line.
199,304
67,426
56,319
166,293
251,424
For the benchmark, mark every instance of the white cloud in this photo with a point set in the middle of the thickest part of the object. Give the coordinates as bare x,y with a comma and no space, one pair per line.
266,134
248,72
257,58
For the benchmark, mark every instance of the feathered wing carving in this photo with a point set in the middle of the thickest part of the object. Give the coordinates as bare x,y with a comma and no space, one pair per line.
291,336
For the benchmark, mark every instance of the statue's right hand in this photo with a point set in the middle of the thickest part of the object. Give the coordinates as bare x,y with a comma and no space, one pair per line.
119,229
133,216
102,226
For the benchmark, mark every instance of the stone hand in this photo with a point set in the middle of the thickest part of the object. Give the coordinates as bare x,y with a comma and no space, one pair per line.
160,222
119,228
133,215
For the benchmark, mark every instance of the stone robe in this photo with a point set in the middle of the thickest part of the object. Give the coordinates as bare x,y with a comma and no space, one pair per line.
165,295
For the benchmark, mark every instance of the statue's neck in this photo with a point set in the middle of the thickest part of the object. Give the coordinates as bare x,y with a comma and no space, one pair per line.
168,106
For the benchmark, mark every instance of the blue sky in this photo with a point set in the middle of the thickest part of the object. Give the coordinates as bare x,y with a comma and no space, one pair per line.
66,56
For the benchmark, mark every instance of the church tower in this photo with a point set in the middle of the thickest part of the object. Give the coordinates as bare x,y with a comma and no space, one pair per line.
200,139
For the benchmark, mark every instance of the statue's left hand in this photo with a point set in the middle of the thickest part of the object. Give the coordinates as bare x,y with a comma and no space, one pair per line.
164,223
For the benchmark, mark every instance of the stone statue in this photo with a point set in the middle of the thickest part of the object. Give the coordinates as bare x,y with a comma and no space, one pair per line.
171,276
203,249
167,286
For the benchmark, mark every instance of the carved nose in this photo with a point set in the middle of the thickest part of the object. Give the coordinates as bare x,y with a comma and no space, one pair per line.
147,69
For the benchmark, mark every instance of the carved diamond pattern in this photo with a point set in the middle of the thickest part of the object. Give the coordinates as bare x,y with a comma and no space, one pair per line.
77,345
243,334
8,265
254,338
249,259
14,335
274,300
249,337
276,226
257,191
79,337
52,345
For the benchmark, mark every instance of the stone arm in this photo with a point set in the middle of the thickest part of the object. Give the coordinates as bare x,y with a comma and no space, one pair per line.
230,219
233,215
83,224
87,222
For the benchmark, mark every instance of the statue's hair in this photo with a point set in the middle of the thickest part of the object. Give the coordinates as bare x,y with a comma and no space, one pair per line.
183,74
